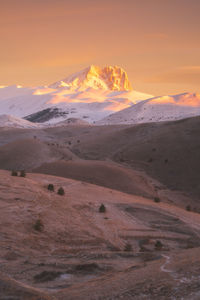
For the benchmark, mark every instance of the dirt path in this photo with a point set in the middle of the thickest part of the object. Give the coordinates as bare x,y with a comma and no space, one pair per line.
167,261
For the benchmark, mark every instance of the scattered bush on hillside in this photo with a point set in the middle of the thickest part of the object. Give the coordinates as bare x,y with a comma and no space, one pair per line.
46,276
150,160
50,187
158,245
22,173
38,226
102,208
128,247
188,208
14,173
61,191
87,268
157,199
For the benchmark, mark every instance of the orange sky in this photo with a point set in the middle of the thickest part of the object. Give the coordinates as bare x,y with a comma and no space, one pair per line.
156,41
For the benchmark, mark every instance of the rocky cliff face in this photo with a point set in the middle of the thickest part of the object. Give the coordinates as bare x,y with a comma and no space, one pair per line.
107,78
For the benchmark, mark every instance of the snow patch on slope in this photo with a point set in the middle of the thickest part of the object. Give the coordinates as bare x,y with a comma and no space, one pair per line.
90,104
166,108
11,121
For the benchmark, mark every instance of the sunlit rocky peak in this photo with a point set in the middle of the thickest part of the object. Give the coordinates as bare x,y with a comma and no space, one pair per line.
107,78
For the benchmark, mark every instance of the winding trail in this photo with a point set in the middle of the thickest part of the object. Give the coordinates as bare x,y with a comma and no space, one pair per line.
167,261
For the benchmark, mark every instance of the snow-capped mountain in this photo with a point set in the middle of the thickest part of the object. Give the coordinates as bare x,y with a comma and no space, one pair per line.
95,95
91,95
165,108
107,78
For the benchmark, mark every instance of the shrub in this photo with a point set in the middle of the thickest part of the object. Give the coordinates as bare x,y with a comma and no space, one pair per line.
14,173
87,268
188,208
158,245
157,199
102,208
50,187
46,276
22,173
61,191
38,226
128,247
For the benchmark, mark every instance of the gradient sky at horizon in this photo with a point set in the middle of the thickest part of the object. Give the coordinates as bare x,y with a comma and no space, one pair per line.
156,41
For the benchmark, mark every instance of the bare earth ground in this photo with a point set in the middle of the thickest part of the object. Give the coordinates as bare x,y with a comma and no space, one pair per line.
80,254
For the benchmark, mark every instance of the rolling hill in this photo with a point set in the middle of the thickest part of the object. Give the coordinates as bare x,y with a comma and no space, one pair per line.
165,108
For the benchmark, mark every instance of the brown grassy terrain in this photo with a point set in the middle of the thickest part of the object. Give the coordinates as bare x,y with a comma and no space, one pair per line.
144,246
168,151
103,173
79,253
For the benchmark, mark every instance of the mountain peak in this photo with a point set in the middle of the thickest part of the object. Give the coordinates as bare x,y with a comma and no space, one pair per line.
107,78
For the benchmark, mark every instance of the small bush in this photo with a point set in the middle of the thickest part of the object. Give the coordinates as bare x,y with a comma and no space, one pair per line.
50,187
22,173
102,208
38,226
61,191
14,173
128,247
188,208
87,268
158,245
46,276
157,199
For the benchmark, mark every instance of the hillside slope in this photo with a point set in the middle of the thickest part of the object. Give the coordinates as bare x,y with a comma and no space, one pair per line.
79,252
167,151
166,108
26,154
11,121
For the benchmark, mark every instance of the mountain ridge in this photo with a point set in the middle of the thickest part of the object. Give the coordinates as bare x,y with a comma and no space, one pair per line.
106,78
96,95
90,95
157,109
